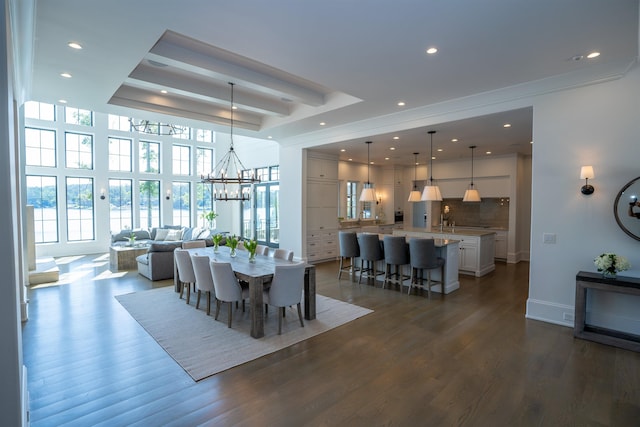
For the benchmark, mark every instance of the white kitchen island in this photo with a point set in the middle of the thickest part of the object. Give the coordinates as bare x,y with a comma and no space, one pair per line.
476,247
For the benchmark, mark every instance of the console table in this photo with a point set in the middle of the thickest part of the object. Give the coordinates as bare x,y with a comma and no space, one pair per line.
124,257
622,285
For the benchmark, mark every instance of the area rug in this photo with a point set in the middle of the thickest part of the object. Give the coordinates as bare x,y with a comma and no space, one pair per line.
203,346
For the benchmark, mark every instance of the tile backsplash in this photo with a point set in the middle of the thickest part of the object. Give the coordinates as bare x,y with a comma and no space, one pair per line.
490,212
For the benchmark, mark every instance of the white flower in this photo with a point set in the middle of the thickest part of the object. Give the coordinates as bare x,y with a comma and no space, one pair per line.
611,262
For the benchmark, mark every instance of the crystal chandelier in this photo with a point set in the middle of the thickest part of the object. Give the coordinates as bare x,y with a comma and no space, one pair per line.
229,174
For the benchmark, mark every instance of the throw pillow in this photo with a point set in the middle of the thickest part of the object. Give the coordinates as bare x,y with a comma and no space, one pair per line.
161,234
174,235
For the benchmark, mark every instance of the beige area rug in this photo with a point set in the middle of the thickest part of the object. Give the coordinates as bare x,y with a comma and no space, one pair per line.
204,346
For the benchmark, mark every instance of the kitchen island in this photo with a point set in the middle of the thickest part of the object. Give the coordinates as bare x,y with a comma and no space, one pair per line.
476,247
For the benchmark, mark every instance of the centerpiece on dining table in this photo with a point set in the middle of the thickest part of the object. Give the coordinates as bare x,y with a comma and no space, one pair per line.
217,238
232,242
251,246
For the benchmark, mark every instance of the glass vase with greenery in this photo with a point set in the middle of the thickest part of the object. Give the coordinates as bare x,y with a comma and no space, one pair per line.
209,217
217,238
251,246
232,242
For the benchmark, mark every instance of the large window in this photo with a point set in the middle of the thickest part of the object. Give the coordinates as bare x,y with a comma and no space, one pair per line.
80,209
149,157
204,161
119,123
181,158
149,204
204,135
120,154
181,205
40,147
120,204
352,200
42,195
78,150
40,111
204,201
78,116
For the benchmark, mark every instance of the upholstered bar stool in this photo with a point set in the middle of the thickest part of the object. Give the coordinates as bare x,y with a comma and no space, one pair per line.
396,254
349,248
370,252
424,257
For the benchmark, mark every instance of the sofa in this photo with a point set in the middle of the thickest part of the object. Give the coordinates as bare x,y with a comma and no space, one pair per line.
157,262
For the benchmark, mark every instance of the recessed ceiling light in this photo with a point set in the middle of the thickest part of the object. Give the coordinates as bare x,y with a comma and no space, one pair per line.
386,158
392,148
269,137
66,75
234,107
432,50
488,152
163,91
396,137
74,45
439,149
62,101
351,160
433,157
401,104
454,140
373,163
322,123
506,125
593,55
343,150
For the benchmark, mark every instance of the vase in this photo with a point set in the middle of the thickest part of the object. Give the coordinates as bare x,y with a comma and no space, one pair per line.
609,274
215,248
233,253
252,257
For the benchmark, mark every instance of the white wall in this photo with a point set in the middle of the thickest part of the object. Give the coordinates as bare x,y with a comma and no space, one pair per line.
595,125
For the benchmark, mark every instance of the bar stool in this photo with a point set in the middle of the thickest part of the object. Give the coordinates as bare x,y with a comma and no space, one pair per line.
423,257
349,248
370,252
396,253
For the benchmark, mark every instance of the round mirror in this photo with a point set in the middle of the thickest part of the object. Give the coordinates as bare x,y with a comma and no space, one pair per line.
626,208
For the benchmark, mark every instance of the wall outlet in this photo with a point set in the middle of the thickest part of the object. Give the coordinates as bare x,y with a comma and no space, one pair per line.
549,238
568,317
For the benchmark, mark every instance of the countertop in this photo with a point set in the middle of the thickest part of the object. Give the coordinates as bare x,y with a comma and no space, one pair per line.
464,231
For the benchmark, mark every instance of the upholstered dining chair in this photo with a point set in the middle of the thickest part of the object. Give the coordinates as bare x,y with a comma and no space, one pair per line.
370,252
424,257
349,248
204,279
286,290
194,244
227,287
283,254
396,254
262,250
186,275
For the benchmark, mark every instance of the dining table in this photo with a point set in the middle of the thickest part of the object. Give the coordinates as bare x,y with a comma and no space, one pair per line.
257,274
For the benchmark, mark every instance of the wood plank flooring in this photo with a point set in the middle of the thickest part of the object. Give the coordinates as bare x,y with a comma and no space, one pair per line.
468,359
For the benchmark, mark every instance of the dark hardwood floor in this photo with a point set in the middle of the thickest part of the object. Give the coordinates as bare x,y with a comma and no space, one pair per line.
468,359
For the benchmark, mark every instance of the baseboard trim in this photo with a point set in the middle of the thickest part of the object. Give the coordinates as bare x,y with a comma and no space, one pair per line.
550,312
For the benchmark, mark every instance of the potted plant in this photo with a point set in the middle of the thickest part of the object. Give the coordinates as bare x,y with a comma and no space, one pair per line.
232,242
132,239
209,217
217,238
251,246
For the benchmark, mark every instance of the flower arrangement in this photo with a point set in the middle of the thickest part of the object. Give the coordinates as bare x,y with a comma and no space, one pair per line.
610,264
251,246
132,238
217,238
209,217
232,242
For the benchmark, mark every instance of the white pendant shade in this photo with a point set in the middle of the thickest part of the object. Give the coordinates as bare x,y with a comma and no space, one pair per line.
415,196
471,195
368,194
431,193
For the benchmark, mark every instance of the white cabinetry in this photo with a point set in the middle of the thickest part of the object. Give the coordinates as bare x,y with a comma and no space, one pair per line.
501,244
322,209
469,259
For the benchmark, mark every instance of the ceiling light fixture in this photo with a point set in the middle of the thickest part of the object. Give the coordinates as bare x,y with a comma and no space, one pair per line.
74,45
368,192
155,128
415,195
432,50
431,192
230,163
471,194
66,75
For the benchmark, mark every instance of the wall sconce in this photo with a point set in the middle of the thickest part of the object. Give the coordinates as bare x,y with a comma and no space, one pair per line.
168,196
586,173
102,194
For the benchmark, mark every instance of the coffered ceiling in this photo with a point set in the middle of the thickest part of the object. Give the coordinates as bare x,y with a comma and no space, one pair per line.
320,72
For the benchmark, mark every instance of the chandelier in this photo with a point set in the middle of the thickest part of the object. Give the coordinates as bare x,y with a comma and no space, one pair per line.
155,128
230,174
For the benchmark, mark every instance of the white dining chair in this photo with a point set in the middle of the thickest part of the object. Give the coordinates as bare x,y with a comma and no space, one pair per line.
283,254
226,286
262,250
286,290
204,279
186,275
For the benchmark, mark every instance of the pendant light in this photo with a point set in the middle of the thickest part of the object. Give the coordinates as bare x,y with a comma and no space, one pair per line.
471,195
431,192
229,172
368,192
415,195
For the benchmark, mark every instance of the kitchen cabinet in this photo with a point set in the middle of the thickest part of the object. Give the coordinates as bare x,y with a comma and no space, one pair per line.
319,168
501,244
322,209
